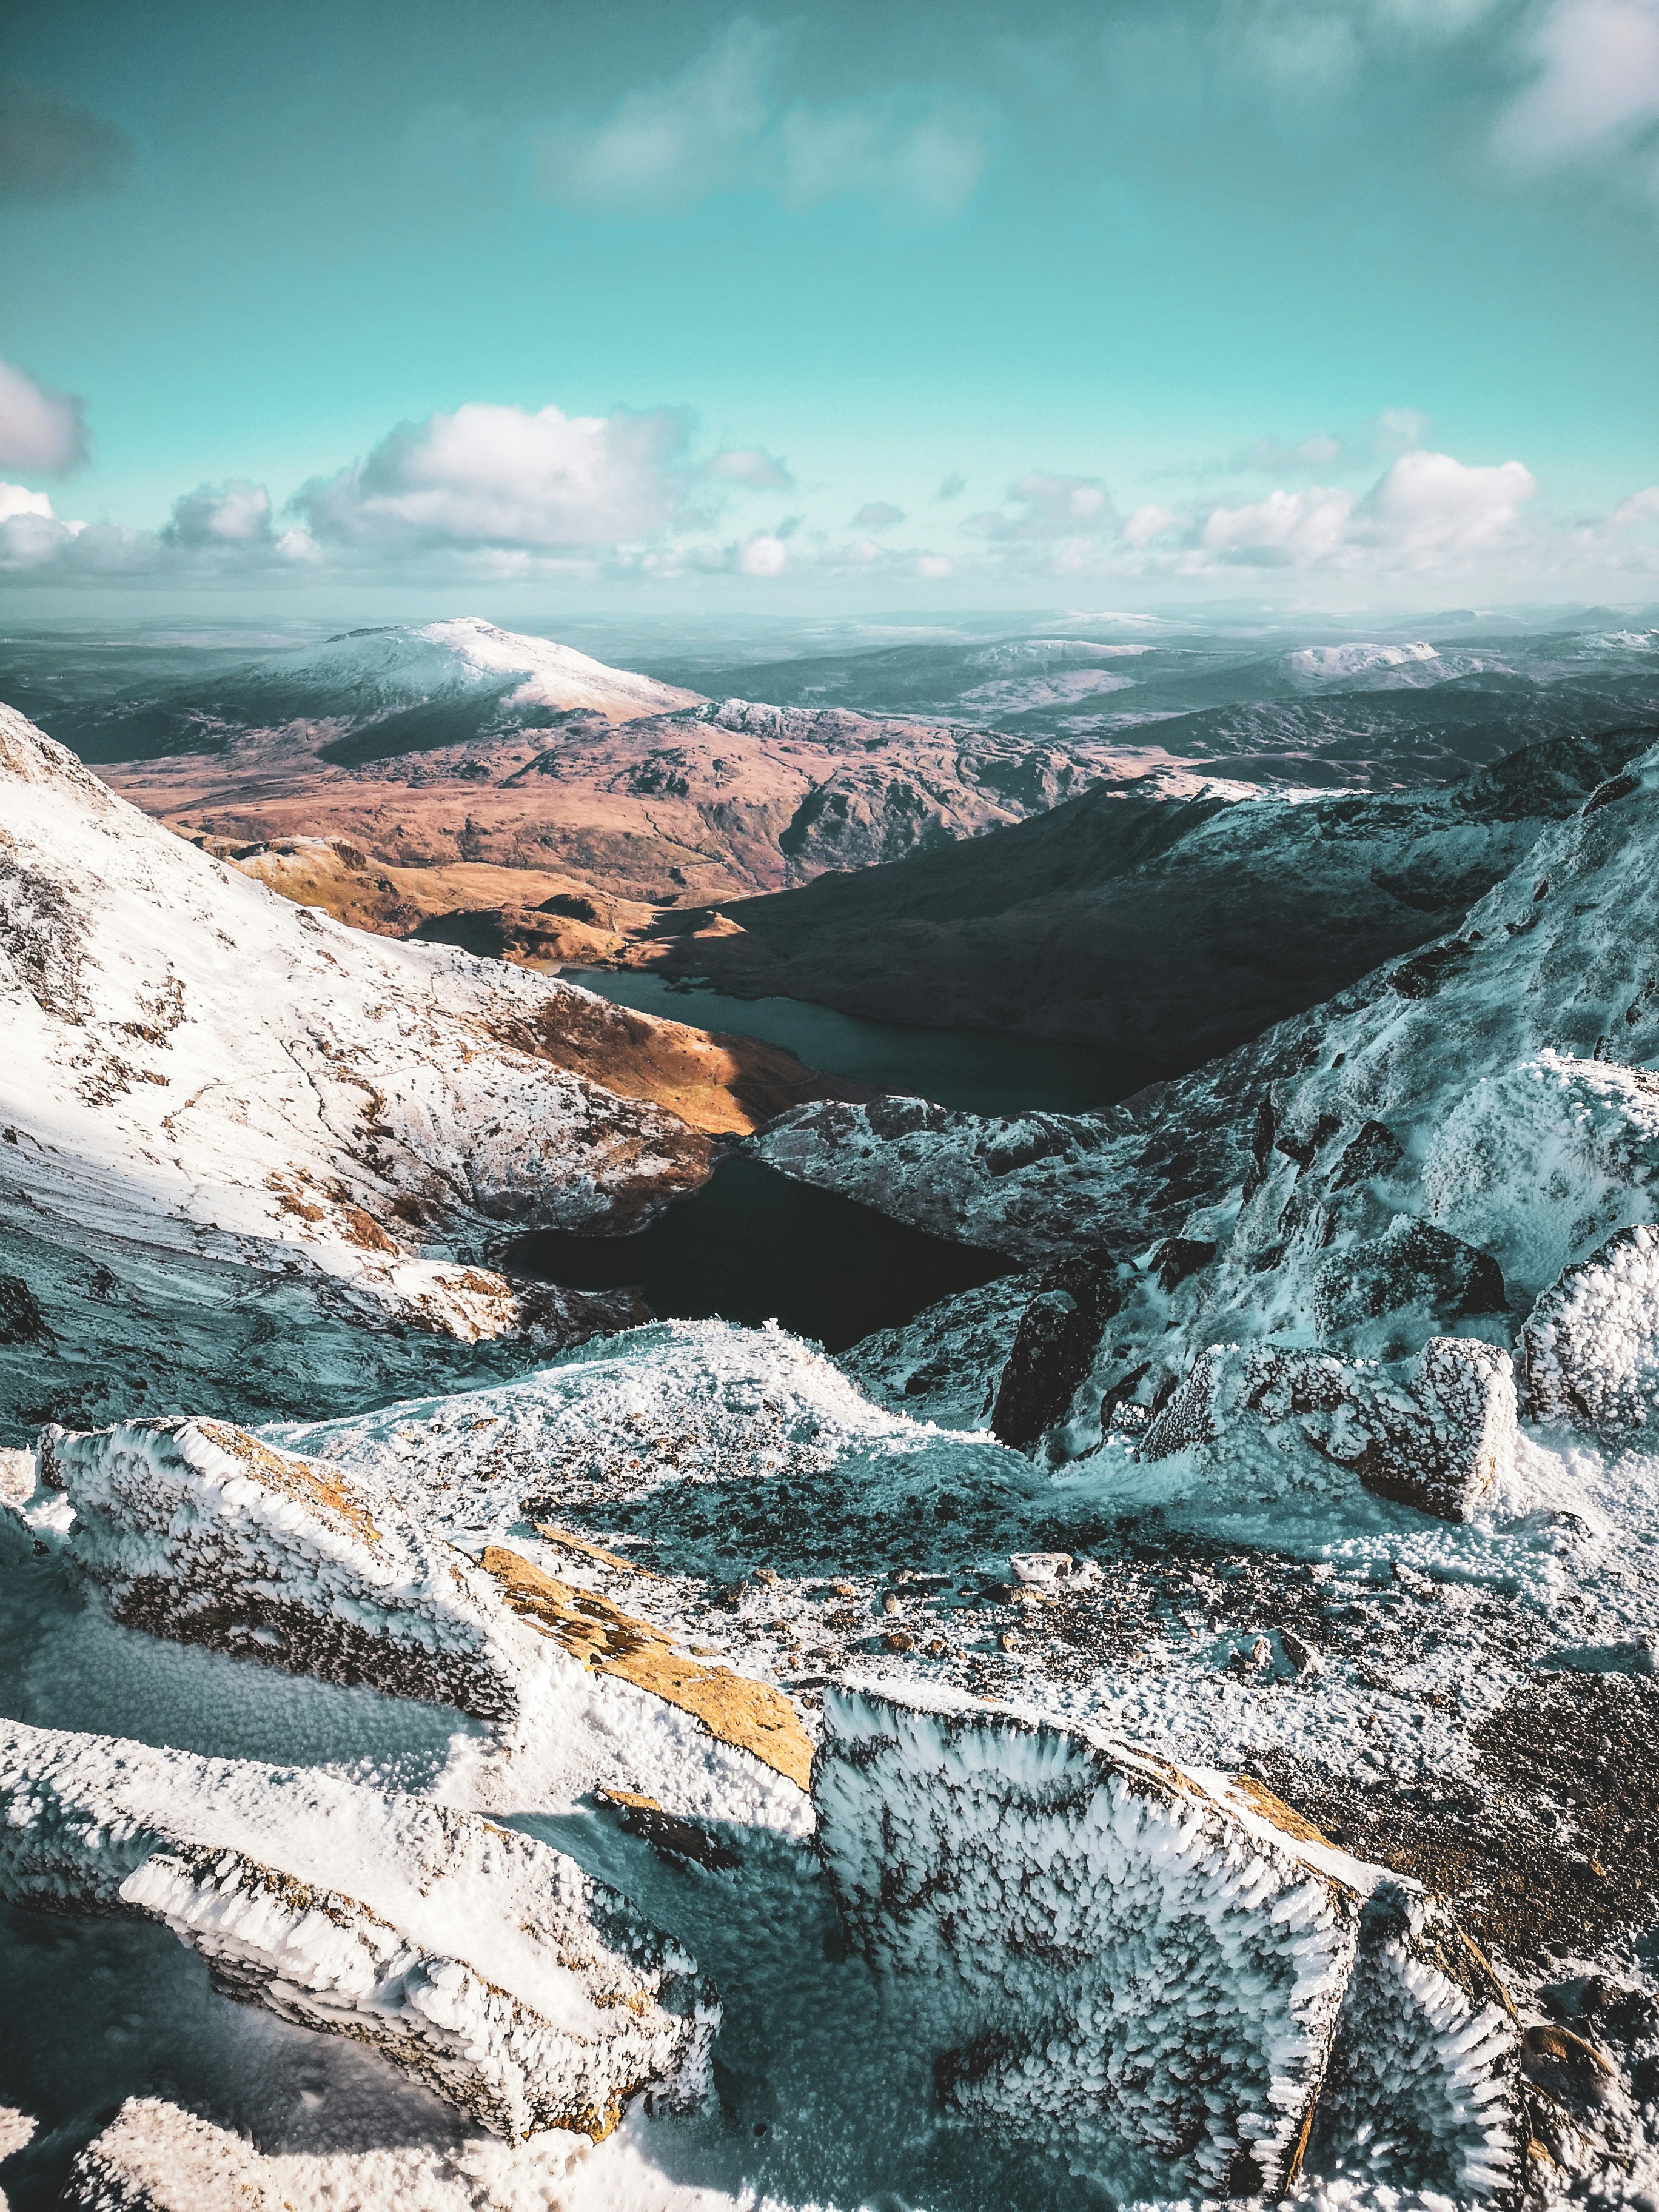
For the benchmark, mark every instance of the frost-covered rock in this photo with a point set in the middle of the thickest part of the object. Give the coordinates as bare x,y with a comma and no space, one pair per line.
1442,1439
1156,1973
482,1963
1591,1343
198,1531
156,2157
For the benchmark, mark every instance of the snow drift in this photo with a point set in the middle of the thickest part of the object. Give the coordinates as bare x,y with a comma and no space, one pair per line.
481,1962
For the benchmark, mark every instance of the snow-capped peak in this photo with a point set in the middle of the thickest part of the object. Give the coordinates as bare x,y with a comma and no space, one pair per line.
404,664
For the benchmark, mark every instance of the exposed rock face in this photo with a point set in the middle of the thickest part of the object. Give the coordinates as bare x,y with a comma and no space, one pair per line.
153,2157
483,1963
199,1532
734,1709
1165,918
1162,1976
1591,1343
1442,1440
1054,1349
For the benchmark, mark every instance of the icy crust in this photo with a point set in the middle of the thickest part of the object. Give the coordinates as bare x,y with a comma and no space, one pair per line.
666,1434
196,1064
482,1963
1153,1971
154,2157
1444,1439
199,1532
1591,1343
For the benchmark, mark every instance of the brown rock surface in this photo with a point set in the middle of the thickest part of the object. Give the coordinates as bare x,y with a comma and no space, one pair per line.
733,1708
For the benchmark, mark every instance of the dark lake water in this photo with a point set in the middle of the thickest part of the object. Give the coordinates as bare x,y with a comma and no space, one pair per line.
753,1246
980,1070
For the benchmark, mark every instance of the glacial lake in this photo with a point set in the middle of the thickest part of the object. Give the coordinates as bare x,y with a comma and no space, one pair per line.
752,1245
979,1071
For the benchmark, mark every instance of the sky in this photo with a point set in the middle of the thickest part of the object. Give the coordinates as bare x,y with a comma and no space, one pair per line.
369,307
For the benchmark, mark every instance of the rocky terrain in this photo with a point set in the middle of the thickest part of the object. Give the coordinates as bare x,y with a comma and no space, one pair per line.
457,743
1166,917
1175,1724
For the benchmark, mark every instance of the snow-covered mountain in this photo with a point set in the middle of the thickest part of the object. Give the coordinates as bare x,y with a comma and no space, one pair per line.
217,1104
377,671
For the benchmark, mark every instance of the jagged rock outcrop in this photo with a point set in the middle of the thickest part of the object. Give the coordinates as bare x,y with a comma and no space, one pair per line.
198,1531
1054,1348
481,1962
1170,1979
1442,1439
154,2157
1590,1346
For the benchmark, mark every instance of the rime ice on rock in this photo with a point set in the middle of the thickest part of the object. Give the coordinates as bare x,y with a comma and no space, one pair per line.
1153,1972
1591,1343
1439,1440
484,1963
154,2157
200,1532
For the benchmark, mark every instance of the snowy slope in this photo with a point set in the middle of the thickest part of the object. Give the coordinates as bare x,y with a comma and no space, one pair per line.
201,1076
376,671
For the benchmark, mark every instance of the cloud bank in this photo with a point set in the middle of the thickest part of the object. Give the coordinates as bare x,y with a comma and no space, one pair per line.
490,491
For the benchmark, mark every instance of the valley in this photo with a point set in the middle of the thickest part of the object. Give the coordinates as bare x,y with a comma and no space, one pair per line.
986,1525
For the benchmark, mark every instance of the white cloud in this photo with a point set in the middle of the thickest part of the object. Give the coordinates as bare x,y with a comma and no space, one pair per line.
1148,524
1048,506
718,126
227,515
765,554
15,500
1271,457
1597,85
503,477
921,154
1428,511
878,514
934,565
40,430
748,465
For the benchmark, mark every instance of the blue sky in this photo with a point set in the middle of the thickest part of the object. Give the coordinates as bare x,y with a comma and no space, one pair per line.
1333,301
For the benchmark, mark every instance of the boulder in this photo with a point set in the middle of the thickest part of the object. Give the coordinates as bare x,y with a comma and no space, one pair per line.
1590,1348
198,1531
1054,1348
1167,1978
1441,1438
1383,1295
154,2157
481,1962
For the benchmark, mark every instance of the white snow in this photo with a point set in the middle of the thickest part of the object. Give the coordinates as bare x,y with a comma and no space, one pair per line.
481,1961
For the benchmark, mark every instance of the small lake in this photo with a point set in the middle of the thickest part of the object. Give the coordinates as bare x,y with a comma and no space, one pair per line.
979,1071
753,1246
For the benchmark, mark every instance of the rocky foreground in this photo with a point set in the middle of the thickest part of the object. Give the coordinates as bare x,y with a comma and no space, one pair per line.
1175,1725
